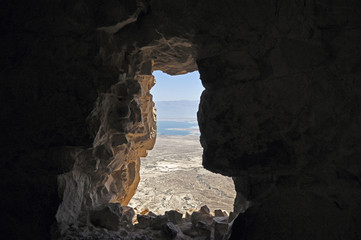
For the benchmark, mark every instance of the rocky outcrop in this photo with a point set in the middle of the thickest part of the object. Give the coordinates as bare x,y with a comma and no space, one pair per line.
116,222
112,216
280,113
109,170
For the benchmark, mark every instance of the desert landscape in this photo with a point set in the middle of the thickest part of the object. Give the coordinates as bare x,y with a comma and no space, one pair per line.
172,177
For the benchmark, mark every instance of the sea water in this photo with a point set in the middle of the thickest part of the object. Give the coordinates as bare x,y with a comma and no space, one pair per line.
177,128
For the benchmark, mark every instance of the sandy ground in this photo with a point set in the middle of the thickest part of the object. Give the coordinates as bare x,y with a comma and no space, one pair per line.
172,177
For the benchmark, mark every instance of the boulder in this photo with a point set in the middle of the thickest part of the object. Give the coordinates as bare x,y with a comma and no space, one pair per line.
204,229
197,217
204,210
144,221
108,217
158,222
220,213
174,216
185,226
170,230
220,225
127,216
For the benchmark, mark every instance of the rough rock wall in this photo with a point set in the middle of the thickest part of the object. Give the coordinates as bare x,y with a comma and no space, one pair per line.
109,170
280,113
76,113
75,107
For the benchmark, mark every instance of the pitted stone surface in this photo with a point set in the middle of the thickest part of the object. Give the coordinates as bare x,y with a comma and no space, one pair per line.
280,113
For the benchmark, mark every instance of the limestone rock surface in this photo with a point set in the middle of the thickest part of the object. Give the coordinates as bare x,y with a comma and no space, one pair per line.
280,112
107,217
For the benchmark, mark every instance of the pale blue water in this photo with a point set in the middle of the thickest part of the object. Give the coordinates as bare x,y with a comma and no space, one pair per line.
177,128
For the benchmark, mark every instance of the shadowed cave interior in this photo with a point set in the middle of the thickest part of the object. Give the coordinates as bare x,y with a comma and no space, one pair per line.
280,114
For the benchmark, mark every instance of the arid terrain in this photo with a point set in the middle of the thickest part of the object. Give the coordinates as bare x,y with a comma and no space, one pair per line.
172,177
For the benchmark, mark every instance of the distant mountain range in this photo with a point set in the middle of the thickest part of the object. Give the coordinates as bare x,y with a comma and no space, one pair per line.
182,110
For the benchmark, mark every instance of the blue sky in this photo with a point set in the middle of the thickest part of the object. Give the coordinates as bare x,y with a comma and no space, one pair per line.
172,88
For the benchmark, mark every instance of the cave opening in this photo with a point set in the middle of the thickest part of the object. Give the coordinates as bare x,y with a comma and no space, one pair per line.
280,113
172,176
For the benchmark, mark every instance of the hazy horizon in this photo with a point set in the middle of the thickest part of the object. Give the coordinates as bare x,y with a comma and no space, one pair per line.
181,110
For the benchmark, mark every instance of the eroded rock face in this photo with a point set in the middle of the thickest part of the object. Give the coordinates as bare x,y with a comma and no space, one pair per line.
109,170
78,116
280,113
